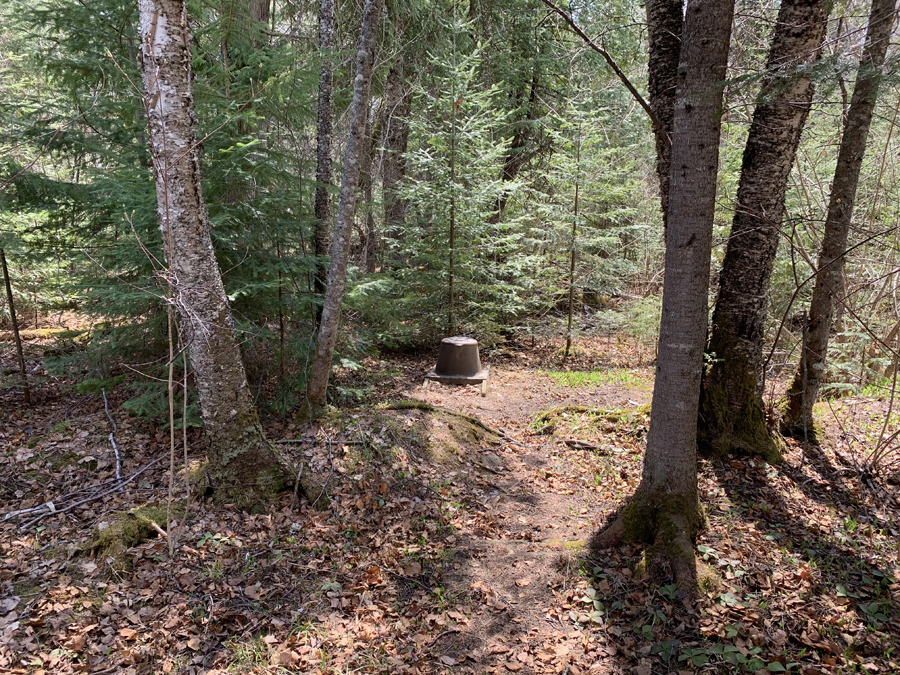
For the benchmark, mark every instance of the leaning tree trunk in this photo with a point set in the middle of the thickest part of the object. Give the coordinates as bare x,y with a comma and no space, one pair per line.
804,390
665,510
665,19
320,370
732,417
20,354
324,125
243,466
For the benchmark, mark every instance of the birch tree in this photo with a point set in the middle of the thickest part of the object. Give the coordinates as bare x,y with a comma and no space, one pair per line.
243,466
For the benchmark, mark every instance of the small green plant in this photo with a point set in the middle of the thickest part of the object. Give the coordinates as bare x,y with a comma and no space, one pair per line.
60,427
216,540
214,571
668,591
873,613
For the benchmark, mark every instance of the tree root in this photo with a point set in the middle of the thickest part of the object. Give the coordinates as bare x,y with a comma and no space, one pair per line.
667,527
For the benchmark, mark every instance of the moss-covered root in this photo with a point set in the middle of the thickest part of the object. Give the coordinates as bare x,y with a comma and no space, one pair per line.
794,423
731,420
249,473
667,526
132,529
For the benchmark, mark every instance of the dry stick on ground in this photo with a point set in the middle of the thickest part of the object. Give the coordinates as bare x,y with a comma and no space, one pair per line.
93,497
112,437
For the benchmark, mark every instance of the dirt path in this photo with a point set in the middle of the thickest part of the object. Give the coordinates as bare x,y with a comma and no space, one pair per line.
547,499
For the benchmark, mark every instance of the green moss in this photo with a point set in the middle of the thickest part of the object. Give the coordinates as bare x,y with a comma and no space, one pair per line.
244,468
666,524
708,580
132,529
66,459
731,419
791,413
601,419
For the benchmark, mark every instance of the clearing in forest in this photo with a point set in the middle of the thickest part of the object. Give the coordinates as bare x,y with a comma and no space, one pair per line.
448,538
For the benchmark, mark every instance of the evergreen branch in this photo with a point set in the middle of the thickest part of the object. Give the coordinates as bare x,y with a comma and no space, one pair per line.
609,60
9,180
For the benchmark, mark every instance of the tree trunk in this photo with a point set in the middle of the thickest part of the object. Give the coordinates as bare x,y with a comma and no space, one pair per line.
396,137
665,510
20,354
518,153
369,235
243,466
320,370
324,124
732,417
804,390
664,26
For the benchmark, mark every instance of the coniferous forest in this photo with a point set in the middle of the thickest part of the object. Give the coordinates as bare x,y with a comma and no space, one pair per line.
234,234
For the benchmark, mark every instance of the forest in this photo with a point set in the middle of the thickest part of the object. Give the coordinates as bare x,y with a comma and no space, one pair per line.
235,236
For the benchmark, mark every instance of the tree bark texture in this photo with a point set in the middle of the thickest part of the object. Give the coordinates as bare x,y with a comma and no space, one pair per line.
243,466
665,20
665,510
324,131
369,234
804,390
320,370
732,417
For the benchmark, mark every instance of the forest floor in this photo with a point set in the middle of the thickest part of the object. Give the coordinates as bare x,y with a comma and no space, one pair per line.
452,541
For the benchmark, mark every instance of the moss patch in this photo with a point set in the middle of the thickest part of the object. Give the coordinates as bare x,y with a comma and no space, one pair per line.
708,580
731,418
595,419
132,529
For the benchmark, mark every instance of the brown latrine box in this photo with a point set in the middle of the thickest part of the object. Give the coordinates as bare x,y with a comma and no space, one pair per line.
458,363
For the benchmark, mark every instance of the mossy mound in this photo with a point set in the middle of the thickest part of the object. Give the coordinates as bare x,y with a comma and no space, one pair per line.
445,436
596,420
133,528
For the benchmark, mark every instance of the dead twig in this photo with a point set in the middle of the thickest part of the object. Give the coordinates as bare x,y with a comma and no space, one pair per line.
112,437
94,496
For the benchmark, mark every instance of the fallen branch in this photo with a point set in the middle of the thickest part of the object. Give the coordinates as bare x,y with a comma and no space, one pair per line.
316,440
93,497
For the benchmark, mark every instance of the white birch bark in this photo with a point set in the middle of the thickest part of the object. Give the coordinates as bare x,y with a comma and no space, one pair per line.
242,464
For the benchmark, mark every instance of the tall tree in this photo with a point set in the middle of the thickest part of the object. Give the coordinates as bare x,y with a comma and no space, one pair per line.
324,124
665,19
804,389
243,466
732,418
665,512
320,370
